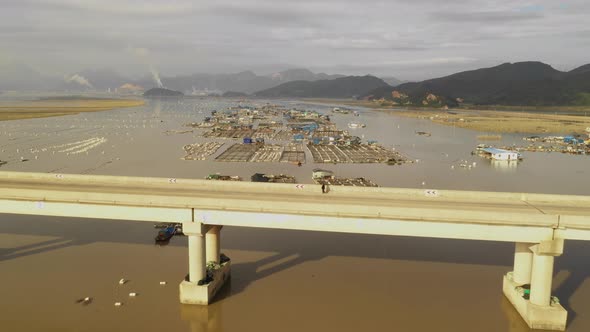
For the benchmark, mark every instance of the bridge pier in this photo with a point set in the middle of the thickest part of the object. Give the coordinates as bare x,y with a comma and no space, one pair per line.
213,240
207,273
196,257
528,287
523,263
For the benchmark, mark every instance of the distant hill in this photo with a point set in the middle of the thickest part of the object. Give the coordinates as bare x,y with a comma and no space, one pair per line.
160,92
580,70
301,74
245,82
233,94
344,87
519,84
392,81
16,76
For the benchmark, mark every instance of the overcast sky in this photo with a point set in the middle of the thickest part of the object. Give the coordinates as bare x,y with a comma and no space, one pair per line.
412,39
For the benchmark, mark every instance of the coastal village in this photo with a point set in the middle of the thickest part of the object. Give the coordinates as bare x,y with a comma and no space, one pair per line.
274,134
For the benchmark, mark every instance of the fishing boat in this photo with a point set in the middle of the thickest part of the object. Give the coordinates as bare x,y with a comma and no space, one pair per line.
354,125
166,234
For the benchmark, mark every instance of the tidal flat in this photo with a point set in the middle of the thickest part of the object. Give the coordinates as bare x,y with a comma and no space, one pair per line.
281,280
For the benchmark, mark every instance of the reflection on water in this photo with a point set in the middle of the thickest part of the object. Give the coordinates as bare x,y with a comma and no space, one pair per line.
505,166
203,318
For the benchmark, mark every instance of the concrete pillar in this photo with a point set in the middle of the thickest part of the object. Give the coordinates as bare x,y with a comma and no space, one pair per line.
523,263
196,257
541,279
213,241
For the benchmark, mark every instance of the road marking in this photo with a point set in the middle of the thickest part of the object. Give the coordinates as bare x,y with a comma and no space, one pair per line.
299,186
40,205
172,180
59,176
430,193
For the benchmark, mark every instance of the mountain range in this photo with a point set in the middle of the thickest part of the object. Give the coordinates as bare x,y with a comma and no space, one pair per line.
161,92
343,87
522,83
518,84
21,77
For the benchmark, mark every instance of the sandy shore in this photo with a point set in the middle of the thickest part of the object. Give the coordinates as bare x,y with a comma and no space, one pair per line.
59,107
505,120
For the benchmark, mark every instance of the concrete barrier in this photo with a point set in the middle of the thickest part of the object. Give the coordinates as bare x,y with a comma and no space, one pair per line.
249,187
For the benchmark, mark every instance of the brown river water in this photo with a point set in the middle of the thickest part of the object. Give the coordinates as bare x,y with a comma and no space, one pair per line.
281,280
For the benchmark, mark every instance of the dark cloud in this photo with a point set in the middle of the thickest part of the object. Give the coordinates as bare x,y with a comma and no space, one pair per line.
423,37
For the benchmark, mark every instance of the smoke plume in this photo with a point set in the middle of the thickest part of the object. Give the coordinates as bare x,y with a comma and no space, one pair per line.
156,77
78,79
144,55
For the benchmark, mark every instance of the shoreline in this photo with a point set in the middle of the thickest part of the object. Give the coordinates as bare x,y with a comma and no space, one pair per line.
488,121
61,107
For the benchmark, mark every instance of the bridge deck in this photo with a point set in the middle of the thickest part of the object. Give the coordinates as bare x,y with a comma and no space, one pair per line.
289,206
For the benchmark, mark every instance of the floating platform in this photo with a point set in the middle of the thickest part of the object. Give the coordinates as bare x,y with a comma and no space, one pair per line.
355,153
200,151
267,153
238,153
293,154
238,133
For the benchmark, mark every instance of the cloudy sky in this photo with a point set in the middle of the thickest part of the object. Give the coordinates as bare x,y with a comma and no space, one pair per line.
412,39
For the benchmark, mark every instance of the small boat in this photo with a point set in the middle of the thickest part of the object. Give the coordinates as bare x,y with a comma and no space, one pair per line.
166,234
354,125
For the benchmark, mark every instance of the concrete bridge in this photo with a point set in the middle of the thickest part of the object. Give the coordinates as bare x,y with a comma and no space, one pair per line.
538,224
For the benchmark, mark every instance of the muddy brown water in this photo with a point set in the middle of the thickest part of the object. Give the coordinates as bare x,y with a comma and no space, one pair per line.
281,280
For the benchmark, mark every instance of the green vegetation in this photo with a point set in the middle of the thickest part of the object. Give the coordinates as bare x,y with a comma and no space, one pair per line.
518,84
583,99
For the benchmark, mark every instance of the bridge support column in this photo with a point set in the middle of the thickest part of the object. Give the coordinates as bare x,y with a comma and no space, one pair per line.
196,258
541,279
528,287
523,263
213,244
207,272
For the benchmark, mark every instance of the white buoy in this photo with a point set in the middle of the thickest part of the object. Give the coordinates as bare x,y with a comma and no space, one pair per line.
133,294
118,304
423,183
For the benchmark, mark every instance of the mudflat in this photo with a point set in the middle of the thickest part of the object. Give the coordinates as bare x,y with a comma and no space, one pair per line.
503,121
496,119
16,110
